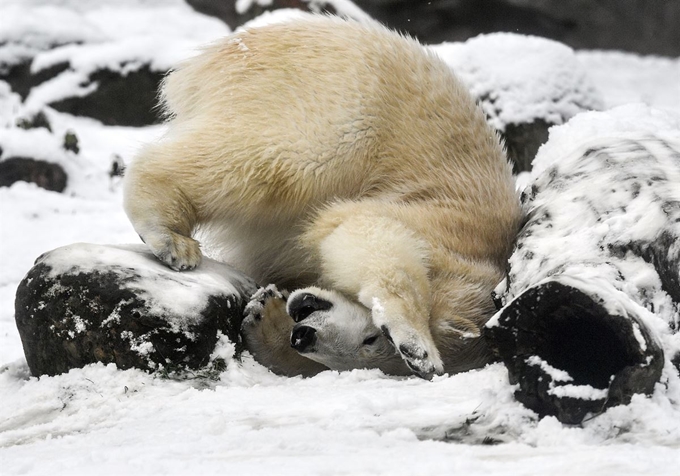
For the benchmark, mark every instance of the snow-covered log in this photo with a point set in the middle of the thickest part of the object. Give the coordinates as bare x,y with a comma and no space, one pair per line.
86,303
592,300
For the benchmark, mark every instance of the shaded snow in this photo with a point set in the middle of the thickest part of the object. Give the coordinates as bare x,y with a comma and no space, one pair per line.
99,420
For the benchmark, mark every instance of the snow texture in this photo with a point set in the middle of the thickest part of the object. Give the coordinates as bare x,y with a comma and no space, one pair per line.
522,78
95,35
99,420
148,278
627,194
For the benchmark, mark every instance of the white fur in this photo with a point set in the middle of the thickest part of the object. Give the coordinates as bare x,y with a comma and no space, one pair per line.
342,155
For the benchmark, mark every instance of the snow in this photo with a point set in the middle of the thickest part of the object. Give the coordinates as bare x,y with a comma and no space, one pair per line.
557,375
522,78
156,284
96,34
248,421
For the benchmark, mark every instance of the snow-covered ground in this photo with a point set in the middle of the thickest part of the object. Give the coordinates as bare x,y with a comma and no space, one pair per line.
105,421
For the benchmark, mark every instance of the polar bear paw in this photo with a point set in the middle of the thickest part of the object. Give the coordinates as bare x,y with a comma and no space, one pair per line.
179,252
255,308
421,356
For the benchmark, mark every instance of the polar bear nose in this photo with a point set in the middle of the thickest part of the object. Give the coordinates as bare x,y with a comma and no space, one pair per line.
302,337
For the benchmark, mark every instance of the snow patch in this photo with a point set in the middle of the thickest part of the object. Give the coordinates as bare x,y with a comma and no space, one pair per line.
521,78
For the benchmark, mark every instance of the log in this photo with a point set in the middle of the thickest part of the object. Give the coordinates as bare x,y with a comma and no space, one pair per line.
592,294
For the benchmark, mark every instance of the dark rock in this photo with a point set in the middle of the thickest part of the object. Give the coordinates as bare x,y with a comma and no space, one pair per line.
86,303
119,100
639,26
71,142
593,282
523,140
35,121
117,166
22,80
47,175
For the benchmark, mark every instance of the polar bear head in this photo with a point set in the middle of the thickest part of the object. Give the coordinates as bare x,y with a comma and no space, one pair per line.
339,333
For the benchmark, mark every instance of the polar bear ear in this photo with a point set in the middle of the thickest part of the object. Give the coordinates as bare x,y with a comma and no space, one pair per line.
304,304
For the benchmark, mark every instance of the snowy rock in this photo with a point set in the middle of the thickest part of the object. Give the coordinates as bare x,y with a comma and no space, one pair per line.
86,303
122,93
593,289
98,59
525,85
115,97
43,157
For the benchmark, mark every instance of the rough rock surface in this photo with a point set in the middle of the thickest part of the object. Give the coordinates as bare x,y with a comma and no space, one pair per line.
592,306
87,303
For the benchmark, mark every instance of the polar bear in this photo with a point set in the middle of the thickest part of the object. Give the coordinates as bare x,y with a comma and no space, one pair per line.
343,161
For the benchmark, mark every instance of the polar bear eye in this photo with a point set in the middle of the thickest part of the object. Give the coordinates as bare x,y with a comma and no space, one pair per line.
370,340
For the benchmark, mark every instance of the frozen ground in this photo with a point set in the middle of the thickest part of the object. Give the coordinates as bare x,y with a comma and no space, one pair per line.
104,421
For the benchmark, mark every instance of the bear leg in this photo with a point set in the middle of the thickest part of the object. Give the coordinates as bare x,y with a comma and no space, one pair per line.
161,214
266,331
384,264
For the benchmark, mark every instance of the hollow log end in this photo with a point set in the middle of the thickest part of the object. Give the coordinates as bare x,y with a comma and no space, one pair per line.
569,355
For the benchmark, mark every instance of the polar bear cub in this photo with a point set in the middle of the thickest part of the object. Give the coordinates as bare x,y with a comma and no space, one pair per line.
341,160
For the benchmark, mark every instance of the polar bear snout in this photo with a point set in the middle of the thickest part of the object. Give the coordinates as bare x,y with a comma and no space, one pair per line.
302,305
302,338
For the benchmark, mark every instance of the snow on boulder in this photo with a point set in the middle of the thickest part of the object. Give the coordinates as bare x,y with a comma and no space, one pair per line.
592,298
525,85
86,303
98,59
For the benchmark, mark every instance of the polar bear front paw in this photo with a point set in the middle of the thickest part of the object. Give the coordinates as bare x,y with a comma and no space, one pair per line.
266,331
177,251
420,356
258,301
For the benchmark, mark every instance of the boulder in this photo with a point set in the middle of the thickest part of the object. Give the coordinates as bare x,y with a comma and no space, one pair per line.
117,98
591,303
86,303
524,84
123,96
47,175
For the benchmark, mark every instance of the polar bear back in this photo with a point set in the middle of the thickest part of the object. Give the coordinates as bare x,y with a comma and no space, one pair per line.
323,97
